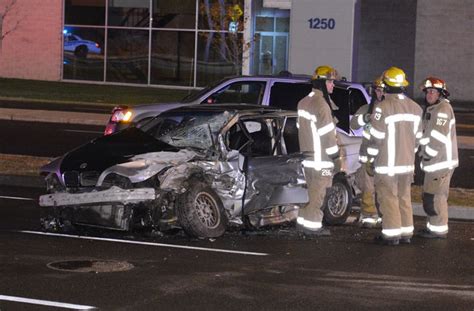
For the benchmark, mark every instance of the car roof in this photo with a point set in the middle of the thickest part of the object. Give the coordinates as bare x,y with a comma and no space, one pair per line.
223,107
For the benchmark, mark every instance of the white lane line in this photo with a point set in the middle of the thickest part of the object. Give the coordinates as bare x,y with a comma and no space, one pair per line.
46,303
16,198
84,131
217,250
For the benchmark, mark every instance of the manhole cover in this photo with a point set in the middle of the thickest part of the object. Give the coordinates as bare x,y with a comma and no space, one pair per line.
97,266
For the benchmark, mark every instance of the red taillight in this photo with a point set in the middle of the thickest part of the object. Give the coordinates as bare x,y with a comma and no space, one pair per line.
121,114
110,129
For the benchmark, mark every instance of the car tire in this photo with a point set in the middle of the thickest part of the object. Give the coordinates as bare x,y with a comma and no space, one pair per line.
338,203
81,51
200,211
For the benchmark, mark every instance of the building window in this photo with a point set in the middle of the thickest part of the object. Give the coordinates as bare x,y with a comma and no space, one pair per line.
172,58
177,14
270,44
83,54
84,12
127,56
182,42
129,13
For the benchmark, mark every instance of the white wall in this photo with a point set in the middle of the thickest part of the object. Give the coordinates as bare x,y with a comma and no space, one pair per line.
310,48
445,45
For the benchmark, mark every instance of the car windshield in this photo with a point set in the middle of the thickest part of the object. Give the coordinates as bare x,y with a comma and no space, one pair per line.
189,129
196,95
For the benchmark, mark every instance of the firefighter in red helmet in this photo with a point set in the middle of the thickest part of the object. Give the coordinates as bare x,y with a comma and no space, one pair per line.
439,152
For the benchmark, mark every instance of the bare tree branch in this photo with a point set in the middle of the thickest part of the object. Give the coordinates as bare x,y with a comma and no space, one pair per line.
8,8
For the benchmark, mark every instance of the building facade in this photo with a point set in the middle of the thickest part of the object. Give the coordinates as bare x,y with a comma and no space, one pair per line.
192,43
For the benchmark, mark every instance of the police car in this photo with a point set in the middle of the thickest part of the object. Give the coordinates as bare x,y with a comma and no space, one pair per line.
80,47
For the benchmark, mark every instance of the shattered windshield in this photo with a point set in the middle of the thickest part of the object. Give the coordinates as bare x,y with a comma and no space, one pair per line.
189,129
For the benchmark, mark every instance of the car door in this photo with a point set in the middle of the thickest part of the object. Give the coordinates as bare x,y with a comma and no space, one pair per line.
274,177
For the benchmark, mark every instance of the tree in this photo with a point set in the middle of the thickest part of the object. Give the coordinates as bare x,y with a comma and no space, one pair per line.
225,22
8,7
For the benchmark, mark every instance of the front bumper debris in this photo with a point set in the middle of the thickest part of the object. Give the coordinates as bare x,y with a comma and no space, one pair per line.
114,194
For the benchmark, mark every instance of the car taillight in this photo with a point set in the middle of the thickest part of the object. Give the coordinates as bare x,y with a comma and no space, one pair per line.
121,114
110,129
97,45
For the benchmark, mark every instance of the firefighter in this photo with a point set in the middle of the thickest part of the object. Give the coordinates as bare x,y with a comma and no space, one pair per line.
394,138
317,140
368,217
439,156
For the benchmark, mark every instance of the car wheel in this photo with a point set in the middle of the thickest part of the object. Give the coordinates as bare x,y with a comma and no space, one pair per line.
338,202
81,51
200,211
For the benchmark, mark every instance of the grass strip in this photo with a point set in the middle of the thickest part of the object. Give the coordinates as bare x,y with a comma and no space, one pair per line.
68,92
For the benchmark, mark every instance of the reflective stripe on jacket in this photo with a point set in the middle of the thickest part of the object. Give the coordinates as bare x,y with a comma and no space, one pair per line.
357,122
395,134
439,142
317,131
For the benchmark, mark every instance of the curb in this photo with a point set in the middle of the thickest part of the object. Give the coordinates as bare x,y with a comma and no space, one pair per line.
455,212
50,116
22,181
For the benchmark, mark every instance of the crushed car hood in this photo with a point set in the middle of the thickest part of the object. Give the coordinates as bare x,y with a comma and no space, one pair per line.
106,151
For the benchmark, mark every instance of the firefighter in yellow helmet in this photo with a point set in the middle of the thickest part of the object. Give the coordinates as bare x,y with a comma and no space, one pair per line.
364,178
317,140
439,156
394,138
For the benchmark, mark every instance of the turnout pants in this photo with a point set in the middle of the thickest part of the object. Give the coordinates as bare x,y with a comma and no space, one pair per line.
394,196
365,182
435,200
311,216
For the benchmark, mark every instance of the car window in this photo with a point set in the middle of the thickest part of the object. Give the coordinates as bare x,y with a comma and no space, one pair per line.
340,96
290,136
259,141
356,100
286,96
195,95
248,92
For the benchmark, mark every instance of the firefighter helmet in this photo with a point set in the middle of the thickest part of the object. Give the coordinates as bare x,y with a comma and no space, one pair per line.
394,77
435,83
325,73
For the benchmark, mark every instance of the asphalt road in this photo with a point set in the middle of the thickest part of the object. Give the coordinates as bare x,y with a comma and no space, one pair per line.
53,139
280,271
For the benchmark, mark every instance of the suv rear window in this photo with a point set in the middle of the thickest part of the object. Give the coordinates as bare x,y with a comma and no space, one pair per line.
348,101
286,96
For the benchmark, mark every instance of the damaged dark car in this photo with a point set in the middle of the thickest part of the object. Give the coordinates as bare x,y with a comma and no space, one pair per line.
200,168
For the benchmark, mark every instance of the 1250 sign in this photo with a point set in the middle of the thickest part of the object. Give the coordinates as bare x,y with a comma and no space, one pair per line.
321,23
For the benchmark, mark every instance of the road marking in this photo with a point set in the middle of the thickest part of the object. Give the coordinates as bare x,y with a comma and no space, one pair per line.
46,303
84,131
16,198
217,250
